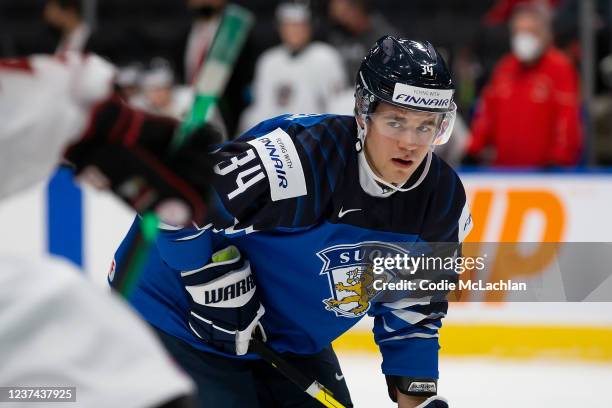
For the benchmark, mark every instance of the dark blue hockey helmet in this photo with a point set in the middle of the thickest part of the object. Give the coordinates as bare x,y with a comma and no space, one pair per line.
408,74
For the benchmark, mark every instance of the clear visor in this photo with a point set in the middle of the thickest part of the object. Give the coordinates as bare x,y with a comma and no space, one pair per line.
414,126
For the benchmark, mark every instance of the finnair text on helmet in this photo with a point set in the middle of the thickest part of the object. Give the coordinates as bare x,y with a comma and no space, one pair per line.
422,97
419,101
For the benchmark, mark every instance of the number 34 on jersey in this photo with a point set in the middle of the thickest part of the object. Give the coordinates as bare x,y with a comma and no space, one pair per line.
281,166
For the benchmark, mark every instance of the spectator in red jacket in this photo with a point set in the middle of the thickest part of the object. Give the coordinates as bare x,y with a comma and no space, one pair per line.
529,111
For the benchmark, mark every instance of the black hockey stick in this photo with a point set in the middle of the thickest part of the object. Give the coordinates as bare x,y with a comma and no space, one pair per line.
310,387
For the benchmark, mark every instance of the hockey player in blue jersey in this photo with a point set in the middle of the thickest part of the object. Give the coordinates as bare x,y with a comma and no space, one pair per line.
300,201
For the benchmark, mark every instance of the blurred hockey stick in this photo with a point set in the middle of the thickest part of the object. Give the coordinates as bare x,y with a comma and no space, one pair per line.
210,83
214,75
310,387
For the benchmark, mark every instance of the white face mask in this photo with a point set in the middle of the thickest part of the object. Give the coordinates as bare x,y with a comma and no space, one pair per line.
526,47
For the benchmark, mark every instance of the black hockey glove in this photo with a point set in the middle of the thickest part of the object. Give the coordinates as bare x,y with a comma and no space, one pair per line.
130,152
225,308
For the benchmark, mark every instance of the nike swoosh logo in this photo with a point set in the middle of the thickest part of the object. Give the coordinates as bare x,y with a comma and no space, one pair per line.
339,377
343,213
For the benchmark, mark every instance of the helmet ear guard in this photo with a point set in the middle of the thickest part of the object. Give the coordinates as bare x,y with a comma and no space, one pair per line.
365,100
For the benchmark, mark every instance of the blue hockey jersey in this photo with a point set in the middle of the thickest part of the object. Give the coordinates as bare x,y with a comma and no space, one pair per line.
288,195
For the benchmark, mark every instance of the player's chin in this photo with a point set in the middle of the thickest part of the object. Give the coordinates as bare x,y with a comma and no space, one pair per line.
399,177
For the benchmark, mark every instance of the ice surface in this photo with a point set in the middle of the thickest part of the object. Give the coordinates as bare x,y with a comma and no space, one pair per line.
492,383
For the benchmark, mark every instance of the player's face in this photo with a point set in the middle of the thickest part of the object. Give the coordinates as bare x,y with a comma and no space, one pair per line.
295,35
159,97
53,14
394,159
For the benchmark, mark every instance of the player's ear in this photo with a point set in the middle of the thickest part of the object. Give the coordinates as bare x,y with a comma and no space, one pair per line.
360,121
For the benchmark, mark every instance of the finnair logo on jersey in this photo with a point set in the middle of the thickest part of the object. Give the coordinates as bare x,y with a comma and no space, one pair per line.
282,164
422,97
279,166
351,279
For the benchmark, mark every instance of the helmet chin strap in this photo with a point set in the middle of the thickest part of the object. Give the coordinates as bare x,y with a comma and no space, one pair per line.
372,183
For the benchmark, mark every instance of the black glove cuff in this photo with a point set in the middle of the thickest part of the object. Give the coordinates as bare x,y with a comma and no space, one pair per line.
421,387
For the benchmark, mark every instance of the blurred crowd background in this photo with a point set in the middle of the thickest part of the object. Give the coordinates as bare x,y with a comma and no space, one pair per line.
534,78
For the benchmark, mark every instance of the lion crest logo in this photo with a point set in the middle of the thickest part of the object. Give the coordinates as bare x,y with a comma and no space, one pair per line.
349,271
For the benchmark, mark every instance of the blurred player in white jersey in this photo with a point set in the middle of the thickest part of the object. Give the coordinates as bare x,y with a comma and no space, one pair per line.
297,76
57,329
